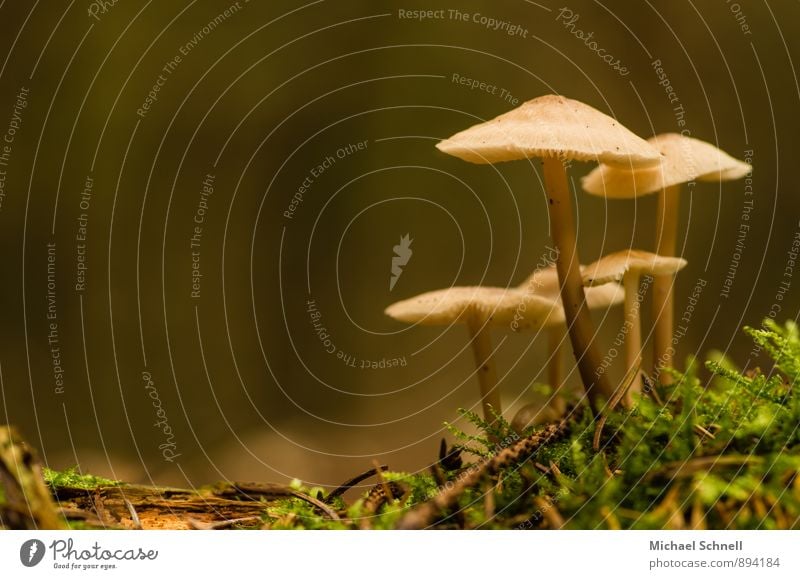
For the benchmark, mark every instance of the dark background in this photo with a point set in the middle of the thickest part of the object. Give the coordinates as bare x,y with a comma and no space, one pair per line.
246,386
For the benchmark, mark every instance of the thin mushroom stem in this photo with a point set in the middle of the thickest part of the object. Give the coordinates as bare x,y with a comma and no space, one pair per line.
556,407
633,341
666,228
554,370
487,373
579,320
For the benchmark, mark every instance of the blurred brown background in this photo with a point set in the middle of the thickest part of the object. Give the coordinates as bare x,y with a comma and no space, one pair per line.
241,386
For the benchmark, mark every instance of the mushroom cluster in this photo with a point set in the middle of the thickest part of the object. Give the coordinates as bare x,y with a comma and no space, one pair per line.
628,267
481,308
556,130
683,160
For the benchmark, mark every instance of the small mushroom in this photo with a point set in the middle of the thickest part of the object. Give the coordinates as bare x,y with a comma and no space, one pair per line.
684,160
555,129
480,308
628,266
544,282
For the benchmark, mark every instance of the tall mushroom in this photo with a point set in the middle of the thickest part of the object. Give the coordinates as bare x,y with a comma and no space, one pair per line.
556,129
684,160
628,267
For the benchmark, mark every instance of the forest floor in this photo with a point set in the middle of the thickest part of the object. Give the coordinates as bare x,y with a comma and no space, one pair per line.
717,451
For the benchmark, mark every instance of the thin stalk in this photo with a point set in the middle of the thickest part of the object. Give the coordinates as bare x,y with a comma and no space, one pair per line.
633,341
535,413
487,373
555,375
663,306
579,320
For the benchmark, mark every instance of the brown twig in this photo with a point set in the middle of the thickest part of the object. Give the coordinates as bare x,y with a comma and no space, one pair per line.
489,502
549,512
668,508
610,518
254,491
425,514
619,394
388,491
346,486
329,512
703,432
650,388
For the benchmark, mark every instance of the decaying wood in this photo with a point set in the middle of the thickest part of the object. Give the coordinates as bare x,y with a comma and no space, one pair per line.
27,502
155,507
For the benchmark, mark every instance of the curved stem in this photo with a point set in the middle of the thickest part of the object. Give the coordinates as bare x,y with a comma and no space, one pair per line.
487,373
666,228
633,341
579,321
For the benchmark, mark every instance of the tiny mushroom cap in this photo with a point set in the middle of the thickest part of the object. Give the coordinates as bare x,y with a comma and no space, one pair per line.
488,304
684,159
551,126
515,307
544,282
613,267
598,298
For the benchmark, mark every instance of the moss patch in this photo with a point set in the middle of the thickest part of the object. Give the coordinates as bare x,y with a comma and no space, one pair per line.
716,449
716,452
71,478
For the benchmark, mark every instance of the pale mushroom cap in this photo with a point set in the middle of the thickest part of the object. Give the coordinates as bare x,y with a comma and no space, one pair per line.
597,298
497,306
543,281
613,267
741,169
684,159
604,296
551,126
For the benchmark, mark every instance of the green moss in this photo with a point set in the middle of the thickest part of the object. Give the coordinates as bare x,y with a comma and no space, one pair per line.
720,451
716,449
71,478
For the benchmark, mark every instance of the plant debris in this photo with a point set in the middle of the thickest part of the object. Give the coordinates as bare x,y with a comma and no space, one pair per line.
713,453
